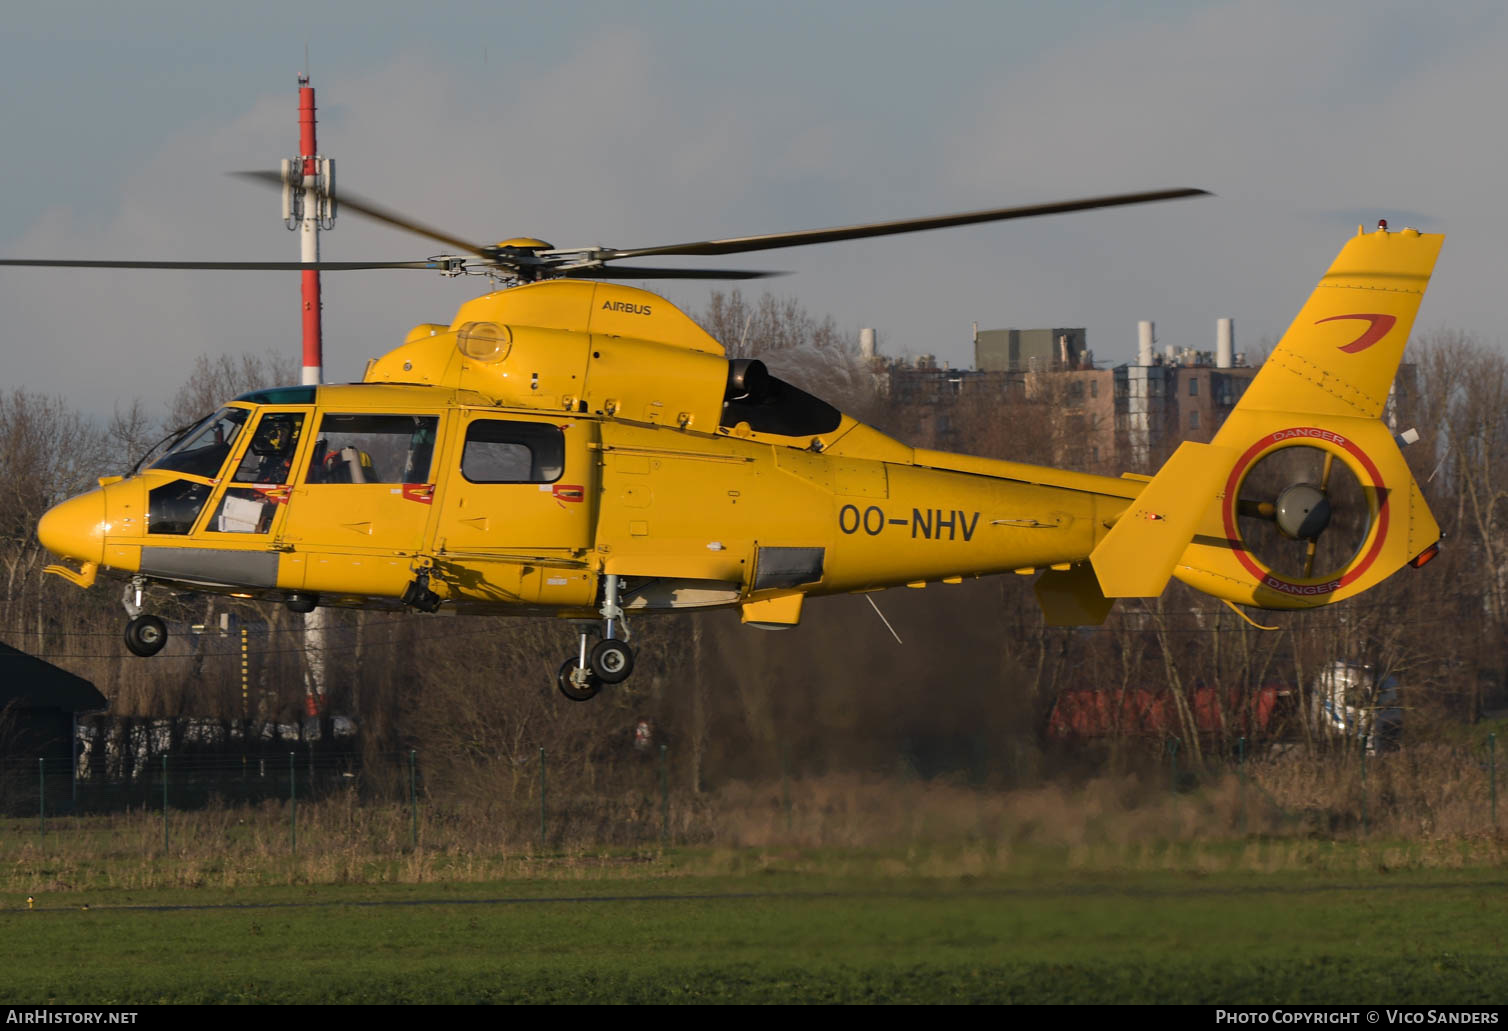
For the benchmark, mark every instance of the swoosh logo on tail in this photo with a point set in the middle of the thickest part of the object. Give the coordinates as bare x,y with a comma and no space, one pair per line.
1379,327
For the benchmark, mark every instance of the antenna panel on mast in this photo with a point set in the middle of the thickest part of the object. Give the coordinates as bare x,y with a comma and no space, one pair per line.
289,212
327,191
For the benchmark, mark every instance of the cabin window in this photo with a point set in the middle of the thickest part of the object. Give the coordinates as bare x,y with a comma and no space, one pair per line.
373,449
203,450
498,451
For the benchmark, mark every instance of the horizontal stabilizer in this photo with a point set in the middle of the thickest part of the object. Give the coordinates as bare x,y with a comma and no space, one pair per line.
1137,557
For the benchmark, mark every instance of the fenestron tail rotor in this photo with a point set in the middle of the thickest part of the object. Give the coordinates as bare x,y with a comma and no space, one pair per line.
529,260
1302,513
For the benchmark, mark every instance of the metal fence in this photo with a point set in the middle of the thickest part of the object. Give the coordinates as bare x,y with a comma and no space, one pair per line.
1357,794
57,796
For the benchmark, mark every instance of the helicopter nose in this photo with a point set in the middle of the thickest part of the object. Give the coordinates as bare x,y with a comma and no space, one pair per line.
76,528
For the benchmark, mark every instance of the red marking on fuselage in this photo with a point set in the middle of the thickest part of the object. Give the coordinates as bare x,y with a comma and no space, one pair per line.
276,494
1379,327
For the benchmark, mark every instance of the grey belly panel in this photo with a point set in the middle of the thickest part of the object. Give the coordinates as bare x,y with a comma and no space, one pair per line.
207,565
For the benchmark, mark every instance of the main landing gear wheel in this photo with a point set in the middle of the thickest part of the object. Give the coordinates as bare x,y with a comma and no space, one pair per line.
145,636
577,684
612,661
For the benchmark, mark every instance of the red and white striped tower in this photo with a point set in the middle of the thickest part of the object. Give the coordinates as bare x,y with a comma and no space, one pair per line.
308,207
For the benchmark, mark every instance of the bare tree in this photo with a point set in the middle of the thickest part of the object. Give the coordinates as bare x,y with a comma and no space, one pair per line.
797,346
214,381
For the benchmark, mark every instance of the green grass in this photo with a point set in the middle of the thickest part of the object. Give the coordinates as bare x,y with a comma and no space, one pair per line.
817,936
844,890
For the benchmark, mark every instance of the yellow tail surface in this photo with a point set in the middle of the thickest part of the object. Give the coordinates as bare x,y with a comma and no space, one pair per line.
1303,497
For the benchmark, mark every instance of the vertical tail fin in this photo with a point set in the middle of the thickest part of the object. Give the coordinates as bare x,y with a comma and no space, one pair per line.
1341,353
1303,497
1320,505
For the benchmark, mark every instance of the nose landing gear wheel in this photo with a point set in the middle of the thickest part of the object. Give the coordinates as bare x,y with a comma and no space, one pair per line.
577,684
612,661
145,635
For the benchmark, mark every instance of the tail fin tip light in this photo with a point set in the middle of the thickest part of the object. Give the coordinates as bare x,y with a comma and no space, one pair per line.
1426,556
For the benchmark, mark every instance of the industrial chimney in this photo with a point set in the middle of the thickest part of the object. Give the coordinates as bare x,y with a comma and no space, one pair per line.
1225,338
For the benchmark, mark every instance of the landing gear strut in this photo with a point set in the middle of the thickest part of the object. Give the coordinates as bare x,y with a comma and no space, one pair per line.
610,661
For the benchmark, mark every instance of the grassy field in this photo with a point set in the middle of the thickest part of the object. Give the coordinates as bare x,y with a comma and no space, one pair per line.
781,930
1431,809
1306,885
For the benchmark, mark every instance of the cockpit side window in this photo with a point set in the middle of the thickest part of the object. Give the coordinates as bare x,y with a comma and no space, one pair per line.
174,507
267,463
269,457
204,449
373,449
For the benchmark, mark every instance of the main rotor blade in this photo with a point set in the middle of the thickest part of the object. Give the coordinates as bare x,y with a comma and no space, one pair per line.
353,202
639,272
269,266
739,245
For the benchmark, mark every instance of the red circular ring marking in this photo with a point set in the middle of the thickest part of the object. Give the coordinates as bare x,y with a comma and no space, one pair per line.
1266,577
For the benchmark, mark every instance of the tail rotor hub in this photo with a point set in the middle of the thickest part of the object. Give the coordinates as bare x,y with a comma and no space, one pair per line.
1303,513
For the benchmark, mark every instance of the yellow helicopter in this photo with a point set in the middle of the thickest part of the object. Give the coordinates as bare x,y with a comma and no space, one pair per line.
571,447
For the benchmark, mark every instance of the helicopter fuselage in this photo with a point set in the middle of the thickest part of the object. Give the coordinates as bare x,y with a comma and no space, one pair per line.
513,459
586,450
515,510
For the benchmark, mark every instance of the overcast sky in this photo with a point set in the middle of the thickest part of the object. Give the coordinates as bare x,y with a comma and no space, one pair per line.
634,124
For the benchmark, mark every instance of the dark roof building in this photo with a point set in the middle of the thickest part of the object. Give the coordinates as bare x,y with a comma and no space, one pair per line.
38,703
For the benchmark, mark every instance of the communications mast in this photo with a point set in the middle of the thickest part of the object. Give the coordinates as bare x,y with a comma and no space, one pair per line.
308,207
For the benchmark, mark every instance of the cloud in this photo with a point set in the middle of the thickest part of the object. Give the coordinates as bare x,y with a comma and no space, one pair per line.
597,149
1298,117
1302,120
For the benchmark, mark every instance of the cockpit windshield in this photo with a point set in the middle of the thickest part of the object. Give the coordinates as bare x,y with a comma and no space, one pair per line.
203,450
